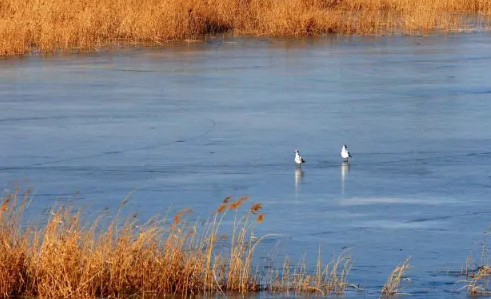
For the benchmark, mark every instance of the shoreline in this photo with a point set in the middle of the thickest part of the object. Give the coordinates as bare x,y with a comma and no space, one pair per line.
53,25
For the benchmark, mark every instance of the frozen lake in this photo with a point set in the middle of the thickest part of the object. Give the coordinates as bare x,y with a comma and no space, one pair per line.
188,124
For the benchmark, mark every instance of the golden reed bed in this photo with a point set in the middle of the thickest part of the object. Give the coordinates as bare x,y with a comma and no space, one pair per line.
50,25
75,255
67,258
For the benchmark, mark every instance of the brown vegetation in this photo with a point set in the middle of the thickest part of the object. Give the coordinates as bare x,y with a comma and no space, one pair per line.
478,275
65,258
50,25
332,278
477,284
393,283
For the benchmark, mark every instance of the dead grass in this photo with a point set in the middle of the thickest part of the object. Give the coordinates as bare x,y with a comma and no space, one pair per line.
80,25
393,283
477,277
331,278
70,258
478,274
13,245
477,284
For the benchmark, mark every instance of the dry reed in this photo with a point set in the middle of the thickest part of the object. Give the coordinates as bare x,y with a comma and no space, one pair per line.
331,278
393,283
478,283
66,258
477,276
51,25
13,245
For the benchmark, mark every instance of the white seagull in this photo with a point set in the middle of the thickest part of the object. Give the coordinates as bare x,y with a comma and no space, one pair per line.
298,159
345,153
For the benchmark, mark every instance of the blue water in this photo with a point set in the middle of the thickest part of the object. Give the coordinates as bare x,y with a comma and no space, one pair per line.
188,124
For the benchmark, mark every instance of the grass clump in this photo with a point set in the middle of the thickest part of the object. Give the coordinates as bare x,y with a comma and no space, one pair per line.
393,283
67,257
325,279
477,283
52,25
13,246
478,274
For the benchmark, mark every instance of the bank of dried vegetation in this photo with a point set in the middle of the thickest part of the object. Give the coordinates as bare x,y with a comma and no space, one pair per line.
68,258
51,25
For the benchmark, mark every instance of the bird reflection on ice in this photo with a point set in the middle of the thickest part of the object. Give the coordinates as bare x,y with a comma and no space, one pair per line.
344,174
298,178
